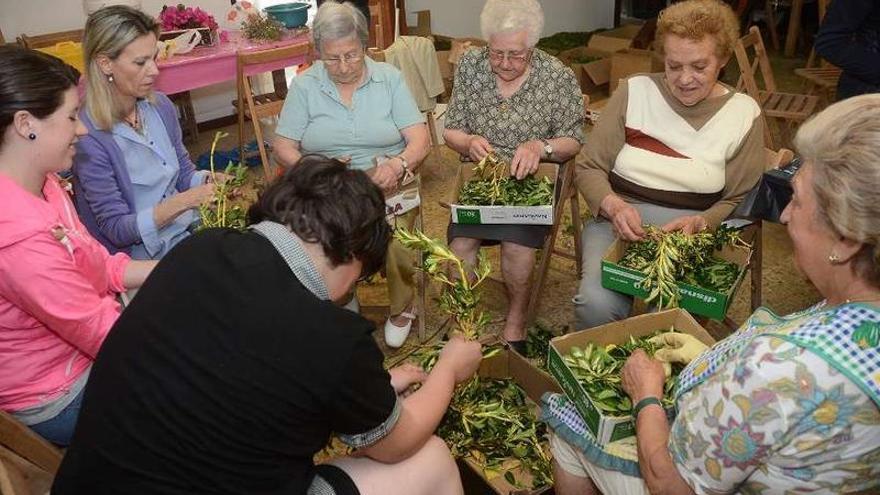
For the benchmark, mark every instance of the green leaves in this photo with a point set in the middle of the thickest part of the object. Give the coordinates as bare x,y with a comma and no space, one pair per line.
667,258
493,185
490,422
459,297
222,210
597,368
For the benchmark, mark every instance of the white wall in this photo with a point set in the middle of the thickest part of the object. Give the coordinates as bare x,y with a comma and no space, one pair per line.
462,17
448,17
47,16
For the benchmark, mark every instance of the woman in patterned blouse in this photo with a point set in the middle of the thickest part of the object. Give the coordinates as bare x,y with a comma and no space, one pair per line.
786,404
523,104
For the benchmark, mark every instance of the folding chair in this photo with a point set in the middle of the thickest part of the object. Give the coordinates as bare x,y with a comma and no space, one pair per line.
568,194
257,106
776,106
379,56
820,77
50,39
753,234
22,441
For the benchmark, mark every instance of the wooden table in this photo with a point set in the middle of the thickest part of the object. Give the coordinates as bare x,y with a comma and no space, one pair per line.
209,65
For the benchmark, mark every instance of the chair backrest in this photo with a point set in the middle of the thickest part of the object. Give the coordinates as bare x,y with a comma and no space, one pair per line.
776,159
376,54
247,64
23,441
50,39
754,64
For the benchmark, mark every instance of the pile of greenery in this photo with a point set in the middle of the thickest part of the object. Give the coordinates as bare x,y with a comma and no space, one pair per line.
560,42
598,370
667,258
488,421
260,27
492,184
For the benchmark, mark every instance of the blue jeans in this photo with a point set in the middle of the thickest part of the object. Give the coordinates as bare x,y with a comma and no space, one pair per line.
59,429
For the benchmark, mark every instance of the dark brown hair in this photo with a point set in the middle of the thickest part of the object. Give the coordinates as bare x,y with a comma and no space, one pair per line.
324,202
31,81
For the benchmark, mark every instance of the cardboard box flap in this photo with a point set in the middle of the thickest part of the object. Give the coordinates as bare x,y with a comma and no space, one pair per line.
608,44
598,72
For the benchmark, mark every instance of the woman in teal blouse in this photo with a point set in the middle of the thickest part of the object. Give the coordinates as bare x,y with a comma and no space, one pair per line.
349,107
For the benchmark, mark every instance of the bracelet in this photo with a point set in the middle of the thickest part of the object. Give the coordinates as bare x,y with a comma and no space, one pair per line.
647,401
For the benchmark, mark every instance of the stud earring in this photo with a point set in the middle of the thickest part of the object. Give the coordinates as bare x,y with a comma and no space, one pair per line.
110,78
32,136
833,258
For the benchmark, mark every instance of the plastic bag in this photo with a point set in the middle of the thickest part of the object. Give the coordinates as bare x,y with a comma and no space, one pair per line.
772,194
179,45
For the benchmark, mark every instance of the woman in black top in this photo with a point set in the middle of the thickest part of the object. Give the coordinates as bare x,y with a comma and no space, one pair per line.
233,366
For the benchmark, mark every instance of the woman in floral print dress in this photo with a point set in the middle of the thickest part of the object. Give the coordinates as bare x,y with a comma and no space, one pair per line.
786,404
518,102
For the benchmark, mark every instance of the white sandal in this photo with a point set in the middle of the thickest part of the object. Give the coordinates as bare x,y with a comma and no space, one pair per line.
395,336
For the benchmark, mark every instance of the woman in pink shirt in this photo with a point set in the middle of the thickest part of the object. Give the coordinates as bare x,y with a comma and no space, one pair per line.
58,286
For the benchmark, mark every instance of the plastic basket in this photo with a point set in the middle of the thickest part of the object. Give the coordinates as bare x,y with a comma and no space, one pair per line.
68,51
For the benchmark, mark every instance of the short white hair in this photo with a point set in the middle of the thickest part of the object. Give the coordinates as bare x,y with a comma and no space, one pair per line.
338,20
511,16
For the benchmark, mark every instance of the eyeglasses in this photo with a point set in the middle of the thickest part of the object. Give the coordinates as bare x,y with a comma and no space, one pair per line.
514,57
346,59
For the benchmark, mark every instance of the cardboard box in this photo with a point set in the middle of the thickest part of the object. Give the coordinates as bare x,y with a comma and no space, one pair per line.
693,298
592,76
633,61
484,215
606,429
507,364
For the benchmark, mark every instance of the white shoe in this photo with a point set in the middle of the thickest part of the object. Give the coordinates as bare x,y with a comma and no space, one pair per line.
353,305
395,336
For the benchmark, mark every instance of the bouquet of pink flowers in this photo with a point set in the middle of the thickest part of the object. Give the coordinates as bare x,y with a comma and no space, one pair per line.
183,17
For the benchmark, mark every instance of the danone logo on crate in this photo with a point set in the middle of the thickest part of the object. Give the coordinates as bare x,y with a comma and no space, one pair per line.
695,299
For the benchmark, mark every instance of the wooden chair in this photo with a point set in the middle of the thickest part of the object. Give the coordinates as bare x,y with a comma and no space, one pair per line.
820,77
753,234
50,39
257,106
785,108
21,440
379,56
568,194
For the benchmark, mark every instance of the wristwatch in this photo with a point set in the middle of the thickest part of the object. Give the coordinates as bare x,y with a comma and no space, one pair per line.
548,149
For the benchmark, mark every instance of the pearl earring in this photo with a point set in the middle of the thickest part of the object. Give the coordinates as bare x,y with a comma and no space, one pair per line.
32,136
833,258
110,78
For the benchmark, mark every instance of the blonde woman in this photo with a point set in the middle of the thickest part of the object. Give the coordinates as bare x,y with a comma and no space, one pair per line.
787,404
137,190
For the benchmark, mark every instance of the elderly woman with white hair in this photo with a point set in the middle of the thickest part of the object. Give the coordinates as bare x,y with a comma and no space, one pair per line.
517,101
787,404
349,107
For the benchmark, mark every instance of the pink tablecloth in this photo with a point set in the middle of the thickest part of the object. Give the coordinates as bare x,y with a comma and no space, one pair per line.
205,66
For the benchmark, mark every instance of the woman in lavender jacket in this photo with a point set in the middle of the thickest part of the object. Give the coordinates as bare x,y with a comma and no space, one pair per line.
136,188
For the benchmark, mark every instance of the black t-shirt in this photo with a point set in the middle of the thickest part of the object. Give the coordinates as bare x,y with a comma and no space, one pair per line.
225,375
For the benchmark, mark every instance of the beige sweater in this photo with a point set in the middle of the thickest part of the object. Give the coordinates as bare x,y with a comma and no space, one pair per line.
649,147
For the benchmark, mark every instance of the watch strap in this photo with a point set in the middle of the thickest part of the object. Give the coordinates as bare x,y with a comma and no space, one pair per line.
647,401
